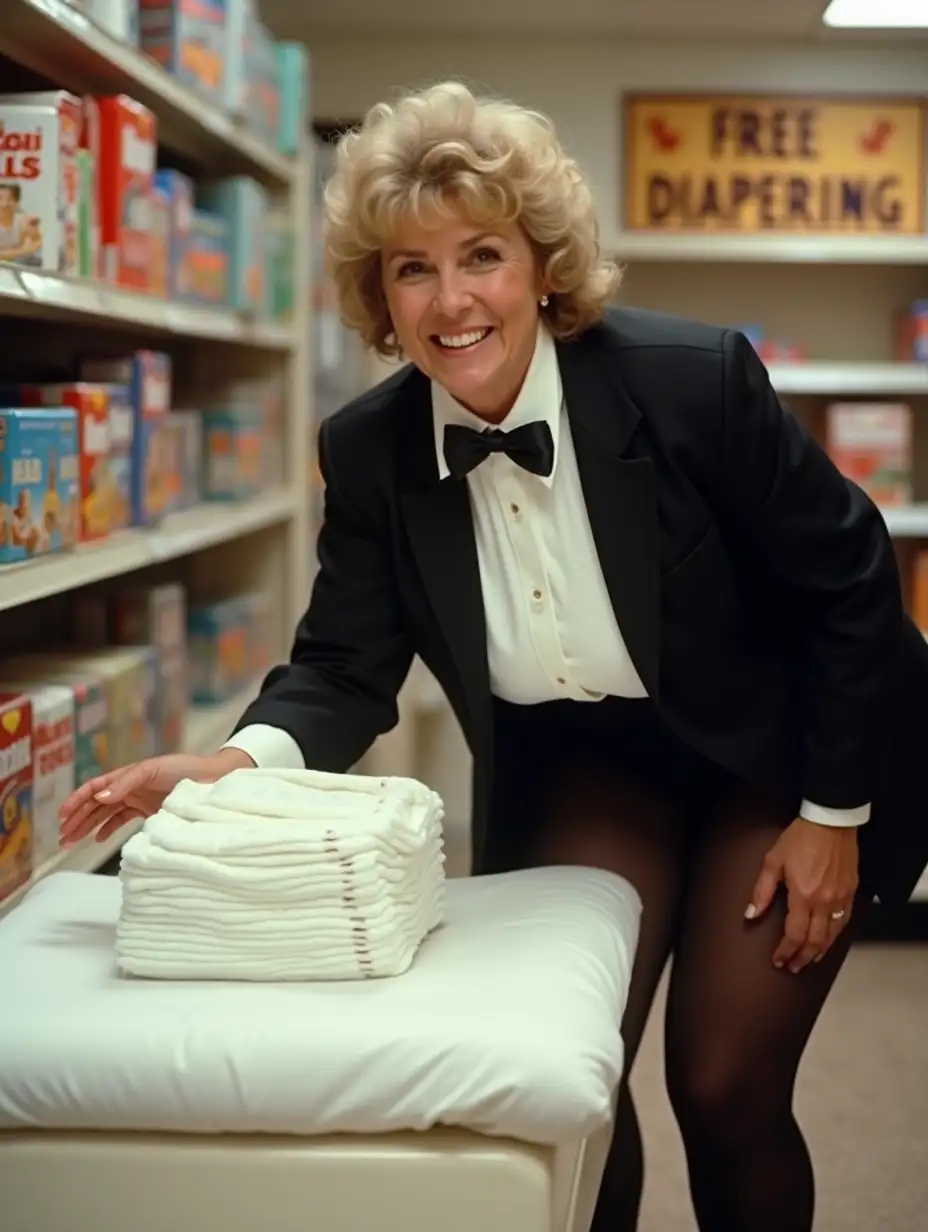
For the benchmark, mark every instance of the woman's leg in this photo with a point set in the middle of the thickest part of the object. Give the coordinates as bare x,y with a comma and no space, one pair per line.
598,818
736,1030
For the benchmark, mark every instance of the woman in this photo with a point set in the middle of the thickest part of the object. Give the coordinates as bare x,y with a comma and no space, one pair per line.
671,631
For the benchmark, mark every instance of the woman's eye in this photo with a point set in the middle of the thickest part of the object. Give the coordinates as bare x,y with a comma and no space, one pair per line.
484,255
409,269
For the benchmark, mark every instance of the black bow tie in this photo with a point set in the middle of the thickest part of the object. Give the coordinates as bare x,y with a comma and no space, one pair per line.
531,447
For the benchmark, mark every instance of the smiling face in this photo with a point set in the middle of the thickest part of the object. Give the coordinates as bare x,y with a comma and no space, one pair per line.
463,299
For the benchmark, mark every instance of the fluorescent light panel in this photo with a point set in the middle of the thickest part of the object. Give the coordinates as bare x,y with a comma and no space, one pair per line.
877,14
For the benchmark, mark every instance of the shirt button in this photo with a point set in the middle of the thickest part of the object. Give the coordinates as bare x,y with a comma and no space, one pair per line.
561,680
514,509
536,594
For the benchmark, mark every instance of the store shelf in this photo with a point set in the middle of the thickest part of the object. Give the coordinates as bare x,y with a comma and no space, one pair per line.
920,893
45,296
832,380
907,521
179,535
207,727
64,45
809,249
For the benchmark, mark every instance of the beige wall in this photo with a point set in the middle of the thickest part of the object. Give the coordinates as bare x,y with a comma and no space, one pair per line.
579,84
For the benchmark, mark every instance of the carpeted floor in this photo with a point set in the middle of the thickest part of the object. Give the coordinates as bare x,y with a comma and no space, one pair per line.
862,1101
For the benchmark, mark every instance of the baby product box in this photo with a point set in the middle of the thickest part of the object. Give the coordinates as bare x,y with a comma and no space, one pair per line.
263,109
53,778
39,490
124,677
235,95
188,38
122,432
919,598
188,426
159,272
871,443
39,199
208,259
232,452
293,95
39,178
16,798
91,403
147,374
218,648
177,190
128,150
91,718
258,615
280,255
244,205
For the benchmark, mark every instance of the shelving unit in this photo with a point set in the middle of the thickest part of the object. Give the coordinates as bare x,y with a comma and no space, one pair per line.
206,728
264,541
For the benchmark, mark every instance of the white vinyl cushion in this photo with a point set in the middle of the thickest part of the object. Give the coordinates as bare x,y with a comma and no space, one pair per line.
507,1023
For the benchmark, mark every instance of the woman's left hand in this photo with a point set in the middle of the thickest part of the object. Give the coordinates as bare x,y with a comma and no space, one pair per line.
819,867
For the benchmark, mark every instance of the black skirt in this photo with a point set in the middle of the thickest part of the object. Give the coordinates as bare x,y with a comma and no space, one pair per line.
535,746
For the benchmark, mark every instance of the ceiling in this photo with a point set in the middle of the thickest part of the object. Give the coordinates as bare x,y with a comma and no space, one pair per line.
742,20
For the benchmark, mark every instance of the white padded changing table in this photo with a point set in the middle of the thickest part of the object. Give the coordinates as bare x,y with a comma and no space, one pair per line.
476,1091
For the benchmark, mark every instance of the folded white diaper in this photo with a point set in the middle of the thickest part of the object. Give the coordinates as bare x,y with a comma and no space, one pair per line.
283,875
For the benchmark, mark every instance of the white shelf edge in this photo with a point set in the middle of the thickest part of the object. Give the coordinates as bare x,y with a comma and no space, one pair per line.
180,534
811,249
205,729
44,295
920,893
834,379
906,521
63,44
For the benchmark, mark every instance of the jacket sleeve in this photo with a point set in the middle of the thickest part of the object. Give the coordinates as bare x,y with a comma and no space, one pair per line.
819,535
351,652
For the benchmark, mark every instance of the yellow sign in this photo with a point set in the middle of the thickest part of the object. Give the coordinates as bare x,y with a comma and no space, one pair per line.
749,165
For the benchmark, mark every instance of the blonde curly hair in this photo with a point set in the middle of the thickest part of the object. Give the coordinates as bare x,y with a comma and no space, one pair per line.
443,149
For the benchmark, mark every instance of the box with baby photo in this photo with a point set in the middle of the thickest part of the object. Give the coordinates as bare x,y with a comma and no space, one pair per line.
39,493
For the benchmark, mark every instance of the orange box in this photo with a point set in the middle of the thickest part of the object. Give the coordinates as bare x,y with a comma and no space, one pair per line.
128,154
16,791
871,443
97,490
919,596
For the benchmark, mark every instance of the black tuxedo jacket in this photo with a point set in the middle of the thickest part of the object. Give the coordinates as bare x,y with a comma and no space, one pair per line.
756,588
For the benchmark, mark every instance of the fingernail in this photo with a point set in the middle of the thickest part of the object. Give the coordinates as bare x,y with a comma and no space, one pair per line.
104,794
750,912
778,963
795,970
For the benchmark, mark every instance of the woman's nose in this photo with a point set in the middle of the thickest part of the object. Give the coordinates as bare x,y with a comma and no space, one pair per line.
453,295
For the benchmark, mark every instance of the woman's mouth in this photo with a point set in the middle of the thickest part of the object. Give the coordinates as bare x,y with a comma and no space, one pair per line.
461,342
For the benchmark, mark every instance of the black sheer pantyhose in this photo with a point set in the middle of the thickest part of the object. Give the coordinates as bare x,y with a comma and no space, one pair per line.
736,1027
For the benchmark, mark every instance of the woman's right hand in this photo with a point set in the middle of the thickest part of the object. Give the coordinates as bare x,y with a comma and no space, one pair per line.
134,792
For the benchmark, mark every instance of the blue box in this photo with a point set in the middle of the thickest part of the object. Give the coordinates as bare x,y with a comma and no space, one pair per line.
218,651
208,259
244,205
39,482
188,39
293,92
147,374
122,453
178,189
233,452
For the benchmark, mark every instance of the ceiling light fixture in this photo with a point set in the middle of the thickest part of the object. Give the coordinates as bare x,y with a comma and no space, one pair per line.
877,14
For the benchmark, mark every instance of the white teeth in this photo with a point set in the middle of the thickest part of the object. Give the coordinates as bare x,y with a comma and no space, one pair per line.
463,340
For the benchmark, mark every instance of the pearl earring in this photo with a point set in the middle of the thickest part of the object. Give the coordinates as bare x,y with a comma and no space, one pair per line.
544,301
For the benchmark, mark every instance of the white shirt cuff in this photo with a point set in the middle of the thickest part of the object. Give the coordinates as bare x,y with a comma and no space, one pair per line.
268,747
833,816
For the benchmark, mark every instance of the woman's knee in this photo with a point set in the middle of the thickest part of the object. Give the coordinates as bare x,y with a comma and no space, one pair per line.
724,1102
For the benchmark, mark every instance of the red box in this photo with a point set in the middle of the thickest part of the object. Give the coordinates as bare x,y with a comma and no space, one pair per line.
16,784
92,404
128,155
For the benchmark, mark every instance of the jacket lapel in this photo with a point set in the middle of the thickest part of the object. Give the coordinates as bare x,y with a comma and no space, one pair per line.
618,491
440,527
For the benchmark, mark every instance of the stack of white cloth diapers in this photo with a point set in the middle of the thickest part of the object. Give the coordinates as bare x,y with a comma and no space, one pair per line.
283,875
